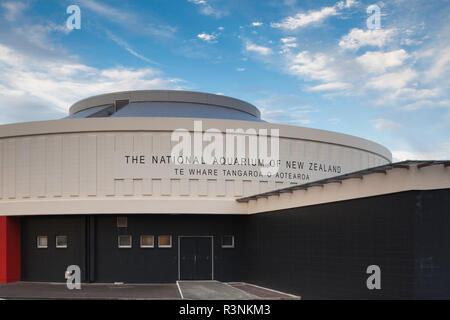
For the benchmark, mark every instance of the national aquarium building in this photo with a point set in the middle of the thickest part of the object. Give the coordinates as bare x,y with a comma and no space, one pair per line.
104,190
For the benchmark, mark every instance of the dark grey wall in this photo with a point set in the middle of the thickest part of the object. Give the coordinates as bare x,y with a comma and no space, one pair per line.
93,247
50,264
432,244
318,252
161,264
322,251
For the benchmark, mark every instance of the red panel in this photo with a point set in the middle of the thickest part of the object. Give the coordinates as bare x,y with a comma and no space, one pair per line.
2,249
9,249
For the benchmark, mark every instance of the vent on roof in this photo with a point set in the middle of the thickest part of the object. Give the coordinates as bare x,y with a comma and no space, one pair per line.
120,104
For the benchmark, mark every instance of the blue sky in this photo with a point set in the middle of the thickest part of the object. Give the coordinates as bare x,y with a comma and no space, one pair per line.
302,62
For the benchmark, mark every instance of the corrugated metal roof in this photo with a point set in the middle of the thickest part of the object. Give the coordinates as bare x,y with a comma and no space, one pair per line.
357,174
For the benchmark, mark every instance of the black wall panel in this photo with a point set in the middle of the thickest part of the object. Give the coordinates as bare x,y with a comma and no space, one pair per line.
318,252
323,251
432,244
50,264
160,265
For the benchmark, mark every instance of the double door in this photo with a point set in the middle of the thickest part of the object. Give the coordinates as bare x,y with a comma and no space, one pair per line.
196,258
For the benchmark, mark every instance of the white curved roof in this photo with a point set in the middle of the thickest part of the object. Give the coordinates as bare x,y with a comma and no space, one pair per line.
164,103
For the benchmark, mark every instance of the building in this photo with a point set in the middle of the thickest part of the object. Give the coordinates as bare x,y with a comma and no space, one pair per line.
101,189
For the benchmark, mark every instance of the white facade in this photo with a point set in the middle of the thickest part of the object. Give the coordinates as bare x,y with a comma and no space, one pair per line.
69,166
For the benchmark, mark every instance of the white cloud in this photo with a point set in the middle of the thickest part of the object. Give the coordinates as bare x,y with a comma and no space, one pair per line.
287,44
442,153
207,37
206,9
378,62
197,1
288,40
128,48
426,104
131,20
385,124
257,24
303,19
411,99
240,69
393,80
334,120
291,116
58,84
251,47
288,109
340,72
13,9
415,94
441,64
316,67
107,11
347,4
410,42
38,35
330,86
357,38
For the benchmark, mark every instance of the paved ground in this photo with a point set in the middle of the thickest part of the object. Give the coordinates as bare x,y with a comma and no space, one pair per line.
212,290
263,293
194,290
26,290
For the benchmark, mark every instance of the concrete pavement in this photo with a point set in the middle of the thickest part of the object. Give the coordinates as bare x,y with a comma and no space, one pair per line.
212,290
190,290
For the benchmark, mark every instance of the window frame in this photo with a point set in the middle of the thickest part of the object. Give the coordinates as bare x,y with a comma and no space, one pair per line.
126,222
124,247
225,246
147,246
38,243
165,246
61,247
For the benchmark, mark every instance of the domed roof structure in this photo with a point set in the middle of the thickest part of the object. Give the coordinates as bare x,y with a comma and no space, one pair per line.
164,103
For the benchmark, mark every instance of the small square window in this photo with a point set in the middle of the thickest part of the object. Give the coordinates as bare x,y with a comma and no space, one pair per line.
165,241
42,242
122,222
124,241
228,242
147,241
61,242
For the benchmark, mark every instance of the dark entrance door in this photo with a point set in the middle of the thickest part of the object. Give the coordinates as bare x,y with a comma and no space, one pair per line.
196,258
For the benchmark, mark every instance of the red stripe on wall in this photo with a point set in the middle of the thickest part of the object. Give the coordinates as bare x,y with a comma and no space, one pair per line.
9,249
